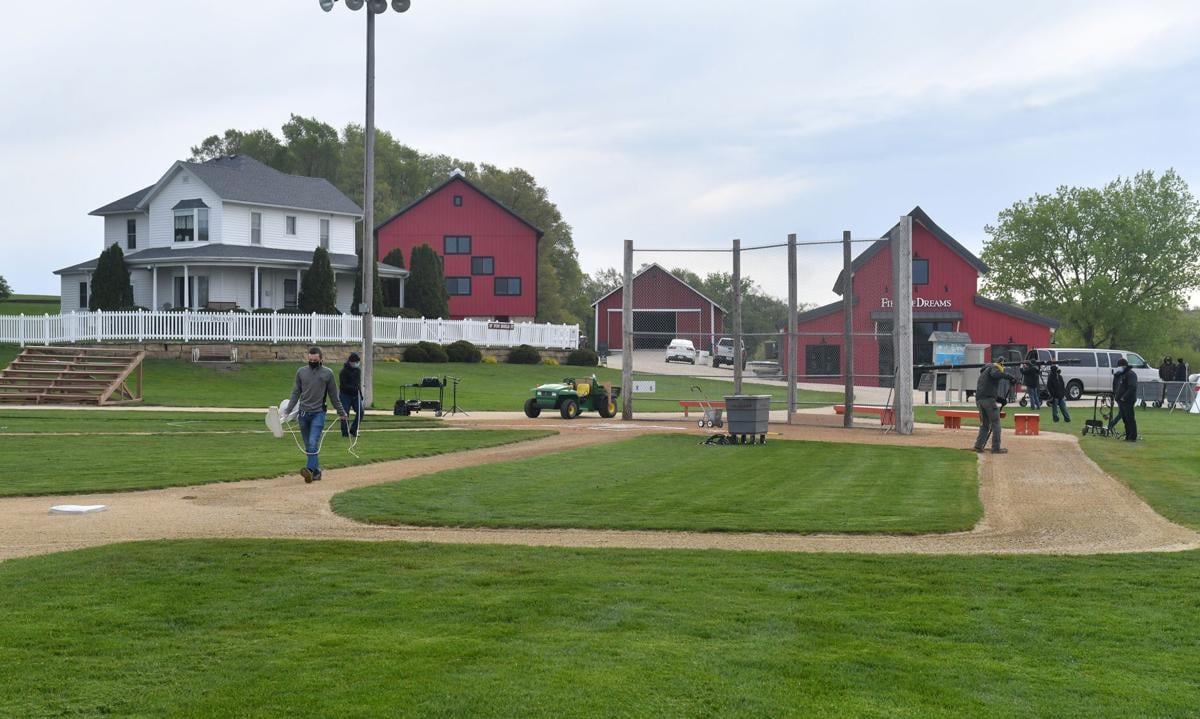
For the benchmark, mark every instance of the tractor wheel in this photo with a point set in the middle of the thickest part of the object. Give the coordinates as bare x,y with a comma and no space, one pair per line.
531,408
606,407
569,409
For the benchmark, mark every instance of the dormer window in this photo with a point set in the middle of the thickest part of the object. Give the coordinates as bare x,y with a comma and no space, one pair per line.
191,220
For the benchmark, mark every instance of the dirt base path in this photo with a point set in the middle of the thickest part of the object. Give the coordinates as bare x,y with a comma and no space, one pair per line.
1044,497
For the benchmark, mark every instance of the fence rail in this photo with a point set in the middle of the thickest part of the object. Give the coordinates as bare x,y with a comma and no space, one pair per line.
141,326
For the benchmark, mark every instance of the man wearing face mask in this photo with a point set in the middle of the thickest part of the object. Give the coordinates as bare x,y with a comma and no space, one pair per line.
313,384
350,389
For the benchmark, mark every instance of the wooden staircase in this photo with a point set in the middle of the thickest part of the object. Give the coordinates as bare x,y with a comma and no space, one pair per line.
72,375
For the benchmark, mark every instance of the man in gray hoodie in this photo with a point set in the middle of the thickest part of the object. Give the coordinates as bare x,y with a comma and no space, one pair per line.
990,394
313,384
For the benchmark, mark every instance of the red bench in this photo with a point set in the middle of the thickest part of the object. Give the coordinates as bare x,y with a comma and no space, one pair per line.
887,415
699,404
952,418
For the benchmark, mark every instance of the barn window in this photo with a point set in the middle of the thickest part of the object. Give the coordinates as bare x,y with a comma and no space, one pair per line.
508,286
456,245
822,360
458,286
920,272
458,200
483,265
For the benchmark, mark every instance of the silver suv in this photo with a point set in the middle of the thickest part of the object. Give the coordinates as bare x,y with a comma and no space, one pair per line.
724,353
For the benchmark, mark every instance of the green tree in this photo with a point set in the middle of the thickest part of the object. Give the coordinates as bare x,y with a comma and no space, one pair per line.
1112,263
318,291
5,289
262,145
111,286
314,148
425,290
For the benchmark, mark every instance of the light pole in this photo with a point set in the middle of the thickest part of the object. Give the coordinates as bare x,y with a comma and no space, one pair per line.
374,7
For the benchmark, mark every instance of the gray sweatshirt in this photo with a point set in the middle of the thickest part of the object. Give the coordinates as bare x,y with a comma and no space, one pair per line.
311,388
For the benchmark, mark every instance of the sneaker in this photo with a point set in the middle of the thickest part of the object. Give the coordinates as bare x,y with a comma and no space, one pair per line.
978,449
999,451
316,477
307,474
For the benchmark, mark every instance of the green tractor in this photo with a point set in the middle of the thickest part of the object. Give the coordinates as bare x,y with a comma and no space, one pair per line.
572,396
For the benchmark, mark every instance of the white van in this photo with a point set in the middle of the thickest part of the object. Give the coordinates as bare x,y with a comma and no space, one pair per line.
1092,369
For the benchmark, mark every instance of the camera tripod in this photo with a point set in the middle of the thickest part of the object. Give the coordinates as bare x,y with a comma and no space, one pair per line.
454,408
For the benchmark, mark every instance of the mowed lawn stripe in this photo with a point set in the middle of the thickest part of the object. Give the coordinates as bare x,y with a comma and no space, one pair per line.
83,464
239,628
671,483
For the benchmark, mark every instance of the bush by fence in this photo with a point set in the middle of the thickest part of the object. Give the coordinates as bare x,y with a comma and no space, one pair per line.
583,357
524,354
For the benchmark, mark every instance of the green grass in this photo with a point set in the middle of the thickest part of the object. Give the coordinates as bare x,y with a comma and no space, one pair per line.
484,388
75,464
1163,468
322,629
669,482
500,387
30,305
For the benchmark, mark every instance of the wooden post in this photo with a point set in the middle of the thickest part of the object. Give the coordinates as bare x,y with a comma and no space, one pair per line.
790,356
848,329
902,327
627,335
737,316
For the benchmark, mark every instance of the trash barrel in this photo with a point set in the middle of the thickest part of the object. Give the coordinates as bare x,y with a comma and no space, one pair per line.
746,417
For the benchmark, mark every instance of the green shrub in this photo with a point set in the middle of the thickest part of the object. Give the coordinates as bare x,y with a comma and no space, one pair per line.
489,360
408,313
583,357
550,362
416,353
524,354
463,351
437,353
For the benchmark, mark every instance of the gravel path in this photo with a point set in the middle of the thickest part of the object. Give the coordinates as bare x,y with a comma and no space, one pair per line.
1045,496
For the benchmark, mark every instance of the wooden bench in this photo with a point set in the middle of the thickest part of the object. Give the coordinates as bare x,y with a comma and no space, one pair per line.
952,418
1028,423
887,415
699,404
215,353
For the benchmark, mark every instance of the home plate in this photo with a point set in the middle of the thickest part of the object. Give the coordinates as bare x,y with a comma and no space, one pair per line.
76,508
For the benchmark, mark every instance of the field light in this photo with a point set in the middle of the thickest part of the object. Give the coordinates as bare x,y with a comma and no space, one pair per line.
374,7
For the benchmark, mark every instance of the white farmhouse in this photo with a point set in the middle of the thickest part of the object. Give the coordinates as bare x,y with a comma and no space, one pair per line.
229,232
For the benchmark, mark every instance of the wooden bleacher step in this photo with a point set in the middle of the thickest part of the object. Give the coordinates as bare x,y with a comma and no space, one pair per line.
72,375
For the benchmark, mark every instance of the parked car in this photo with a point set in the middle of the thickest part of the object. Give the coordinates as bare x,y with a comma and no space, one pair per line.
724,353
1090,370
682,350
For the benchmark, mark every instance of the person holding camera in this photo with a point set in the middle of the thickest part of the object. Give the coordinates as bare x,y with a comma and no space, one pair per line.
1125,395
1031,375
991,393
1057,389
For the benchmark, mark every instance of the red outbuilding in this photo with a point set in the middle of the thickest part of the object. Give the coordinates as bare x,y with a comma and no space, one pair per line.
664,307
944,298
489,253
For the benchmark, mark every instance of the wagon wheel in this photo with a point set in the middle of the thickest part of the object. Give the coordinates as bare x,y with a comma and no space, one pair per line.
700,423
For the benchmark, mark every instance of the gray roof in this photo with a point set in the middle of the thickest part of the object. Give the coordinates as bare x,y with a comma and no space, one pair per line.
127,203
189,204
217,253
241,178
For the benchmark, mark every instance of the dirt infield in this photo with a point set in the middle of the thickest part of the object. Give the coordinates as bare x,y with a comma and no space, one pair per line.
1044,497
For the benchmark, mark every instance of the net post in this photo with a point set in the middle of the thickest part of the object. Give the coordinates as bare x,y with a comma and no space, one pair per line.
627,335
790,358
848,329
737,316
902,328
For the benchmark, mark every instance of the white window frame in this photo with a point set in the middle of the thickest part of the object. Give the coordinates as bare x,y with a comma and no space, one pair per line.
323,224
255,216
131,238
175,227
289,225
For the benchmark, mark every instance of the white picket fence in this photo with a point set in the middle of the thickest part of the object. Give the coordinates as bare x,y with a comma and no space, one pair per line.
141,326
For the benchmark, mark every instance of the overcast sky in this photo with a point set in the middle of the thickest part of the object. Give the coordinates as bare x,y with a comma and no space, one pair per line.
674,124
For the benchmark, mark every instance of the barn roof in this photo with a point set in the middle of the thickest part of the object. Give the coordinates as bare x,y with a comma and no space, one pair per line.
456,175
927,222
665,271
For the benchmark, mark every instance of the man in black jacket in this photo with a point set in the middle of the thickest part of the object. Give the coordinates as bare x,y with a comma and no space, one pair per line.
1032,377
1057,390
350,389
1181,371
989,398
1126,397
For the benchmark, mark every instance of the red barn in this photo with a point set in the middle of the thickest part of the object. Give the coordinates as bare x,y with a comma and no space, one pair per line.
489,253
944,298
664,307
